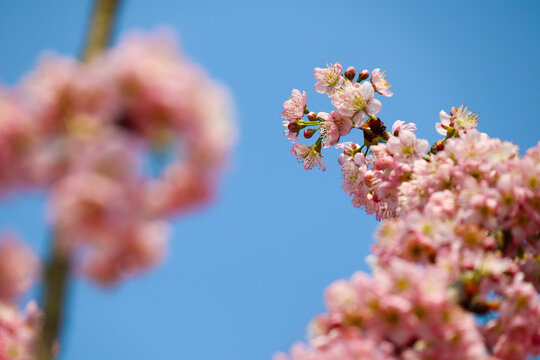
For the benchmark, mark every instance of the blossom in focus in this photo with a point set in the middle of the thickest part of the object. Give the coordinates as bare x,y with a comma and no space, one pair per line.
308,155
455,267
407,146
333,127
328,79
357,101
401,125
380,84
349,149
293,108
461,119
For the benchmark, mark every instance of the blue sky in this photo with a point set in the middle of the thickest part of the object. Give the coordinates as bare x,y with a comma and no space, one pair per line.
243,278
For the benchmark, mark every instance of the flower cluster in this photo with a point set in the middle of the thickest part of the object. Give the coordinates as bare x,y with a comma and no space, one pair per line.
456,265
18,330
354,101
401,311
120,143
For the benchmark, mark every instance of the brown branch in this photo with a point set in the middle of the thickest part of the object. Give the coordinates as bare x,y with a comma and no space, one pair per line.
53,297
56,276
100,28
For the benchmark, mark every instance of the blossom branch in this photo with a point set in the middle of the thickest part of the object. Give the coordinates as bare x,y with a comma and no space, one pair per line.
55,285
57,271
456,266
100,28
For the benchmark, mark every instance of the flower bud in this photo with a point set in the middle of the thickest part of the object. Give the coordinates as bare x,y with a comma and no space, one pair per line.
363,75
295,127
312,116
309,133
350,73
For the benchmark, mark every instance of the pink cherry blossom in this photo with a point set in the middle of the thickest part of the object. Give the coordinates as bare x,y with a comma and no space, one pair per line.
81,131
127,253
380,84
461,119
406,147
333,127
293,108
328,79
19,331
401,125
455,270
308,155
18,268
21,137
329,130
357,101
344,124
349,150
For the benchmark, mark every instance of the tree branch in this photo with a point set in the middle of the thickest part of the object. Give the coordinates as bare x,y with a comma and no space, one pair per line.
56,277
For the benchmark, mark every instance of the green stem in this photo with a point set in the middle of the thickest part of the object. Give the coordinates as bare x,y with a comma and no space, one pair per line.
308,123
56,275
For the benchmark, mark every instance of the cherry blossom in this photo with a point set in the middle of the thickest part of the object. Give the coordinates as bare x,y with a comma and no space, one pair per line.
380,84
328,79
455,265
293,108
309,155
357,101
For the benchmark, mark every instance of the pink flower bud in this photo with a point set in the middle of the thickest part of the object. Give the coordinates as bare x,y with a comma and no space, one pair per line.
363,75
350,73
312,116
295,127
309,133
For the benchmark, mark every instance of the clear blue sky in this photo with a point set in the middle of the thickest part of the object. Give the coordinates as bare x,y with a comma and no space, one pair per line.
244,277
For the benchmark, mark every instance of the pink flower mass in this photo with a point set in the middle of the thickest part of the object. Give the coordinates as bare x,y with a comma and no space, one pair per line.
91,125
19,331
456,262
82,132
18,268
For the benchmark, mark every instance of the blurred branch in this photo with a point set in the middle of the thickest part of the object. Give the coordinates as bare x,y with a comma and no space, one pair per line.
56,274
54,290
100,28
